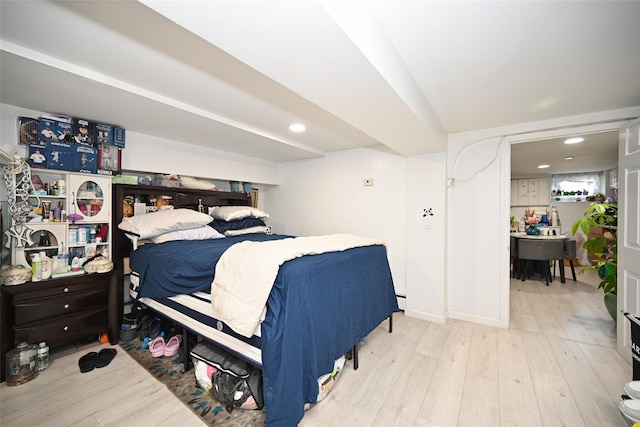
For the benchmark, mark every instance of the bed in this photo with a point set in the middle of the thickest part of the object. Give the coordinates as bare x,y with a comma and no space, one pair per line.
320,304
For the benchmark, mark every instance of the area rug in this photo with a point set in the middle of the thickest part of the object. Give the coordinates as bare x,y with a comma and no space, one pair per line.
169,371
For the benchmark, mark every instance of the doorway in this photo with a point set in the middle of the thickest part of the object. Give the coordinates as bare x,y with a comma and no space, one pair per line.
593,159
525,154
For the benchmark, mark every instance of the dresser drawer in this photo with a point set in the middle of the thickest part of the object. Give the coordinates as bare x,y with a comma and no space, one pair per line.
47,292
64,329
33,310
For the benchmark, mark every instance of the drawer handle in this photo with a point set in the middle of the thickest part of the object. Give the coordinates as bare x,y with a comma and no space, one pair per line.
66,328
66,306
65,290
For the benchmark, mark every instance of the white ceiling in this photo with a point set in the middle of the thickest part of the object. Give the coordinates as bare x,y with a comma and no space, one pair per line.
398,75
598,152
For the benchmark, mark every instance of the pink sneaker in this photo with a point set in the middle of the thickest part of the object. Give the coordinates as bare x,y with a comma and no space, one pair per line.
157,347
173,345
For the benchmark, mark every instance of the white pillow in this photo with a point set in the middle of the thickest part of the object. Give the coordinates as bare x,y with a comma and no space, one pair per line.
201,233
238,232
230,213
156,223
198,184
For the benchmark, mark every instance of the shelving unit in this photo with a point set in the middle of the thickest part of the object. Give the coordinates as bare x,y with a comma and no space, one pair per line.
87,195
568,199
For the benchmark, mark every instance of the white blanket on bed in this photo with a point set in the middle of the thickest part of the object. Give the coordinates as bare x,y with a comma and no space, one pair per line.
247,270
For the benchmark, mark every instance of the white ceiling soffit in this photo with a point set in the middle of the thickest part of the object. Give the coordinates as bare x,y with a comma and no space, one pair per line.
39,94
157,79
335,55
477,65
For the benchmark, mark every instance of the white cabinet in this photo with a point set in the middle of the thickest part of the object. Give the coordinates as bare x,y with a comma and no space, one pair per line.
523,192
544,191
92,196
87,195
530,192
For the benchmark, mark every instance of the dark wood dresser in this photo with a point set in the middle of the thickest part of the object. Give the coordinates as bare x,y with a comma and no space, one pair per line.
59,311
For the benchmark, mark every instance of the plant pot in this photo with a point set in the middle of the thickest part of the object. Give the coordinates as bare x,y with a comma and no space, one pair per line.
611,303
532,230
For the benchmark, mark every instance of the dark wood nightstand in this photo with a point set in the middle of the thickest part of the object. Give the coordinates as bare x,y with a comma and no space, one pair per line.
60,311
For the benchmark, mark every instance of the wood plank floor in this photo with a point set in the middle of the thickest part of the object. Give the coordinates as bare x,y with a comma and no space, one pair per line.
555,366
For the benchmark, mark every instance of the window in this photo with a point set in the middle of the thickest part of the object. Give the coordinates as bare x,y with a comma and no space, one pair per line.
572,183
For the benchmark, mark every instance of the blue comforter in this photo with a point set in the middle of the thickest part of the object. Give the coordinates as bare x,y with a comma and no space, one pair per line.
183,266
319,307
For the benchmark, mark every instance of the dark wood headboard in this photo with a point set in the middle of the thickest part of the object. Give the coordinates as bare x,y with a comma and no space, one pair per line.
178,197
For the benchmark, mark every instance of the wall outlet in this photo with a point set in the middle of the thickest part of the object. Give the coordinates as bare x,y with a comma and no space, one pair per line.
368,182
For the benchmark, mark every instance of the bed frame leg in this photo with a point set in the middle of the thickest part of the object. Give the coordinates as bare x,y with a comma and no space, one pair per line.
184,351
355,357
354,350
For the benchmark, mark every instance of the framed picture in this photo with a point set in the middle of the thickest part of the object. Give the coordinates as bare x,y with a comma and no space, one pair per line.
28,130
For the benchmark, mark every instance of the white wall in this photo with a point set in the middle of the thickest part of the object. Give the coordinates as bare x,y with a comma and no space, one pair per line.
426,247
327,195
474,249
157,155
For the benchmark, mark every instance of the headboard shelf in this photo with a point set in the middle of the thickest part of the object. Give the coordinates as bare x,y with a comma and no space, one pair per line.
178,197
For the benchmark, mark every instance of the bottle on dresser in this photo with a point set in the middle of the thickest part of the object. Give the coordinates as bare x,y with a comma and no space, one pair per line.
36,268
45,268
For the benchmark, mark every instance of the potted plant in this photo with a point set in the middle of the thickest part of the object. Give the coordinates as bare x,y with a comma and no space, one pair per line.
602,248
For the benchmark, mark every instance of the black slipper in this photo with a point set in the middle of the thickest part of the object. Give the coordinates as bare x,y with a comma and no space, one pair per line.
105,356
88,362
155,327
143,322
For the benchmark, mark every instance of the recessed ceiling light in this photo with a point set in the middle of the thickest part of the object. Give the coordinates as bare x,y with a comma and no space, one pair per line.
297,127
543,166
569,158
573,140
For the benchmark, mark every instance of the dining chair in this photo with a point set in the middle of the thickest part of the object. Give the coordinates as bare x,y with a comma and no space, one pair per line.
570,254
515,262
540,252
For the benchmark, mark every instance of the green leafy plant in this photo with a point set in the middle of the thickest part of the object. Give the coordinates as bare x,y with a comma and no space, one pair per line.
603,248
